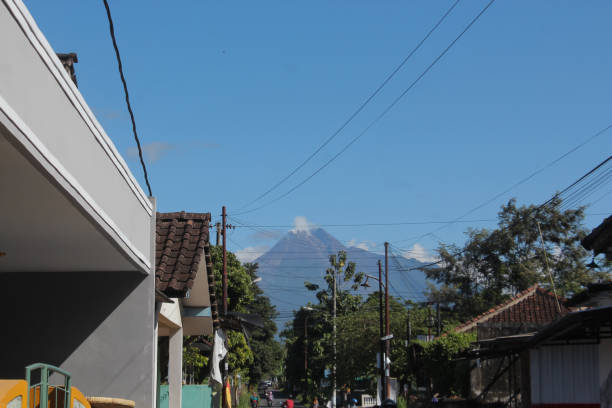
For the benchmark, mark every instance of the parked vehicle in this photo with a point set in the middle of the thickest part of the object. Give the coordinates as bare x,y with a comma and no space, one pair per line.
36,392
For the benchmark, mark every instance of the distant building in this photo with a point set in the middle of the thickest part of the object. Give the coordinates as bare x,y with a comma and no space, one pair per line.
566,363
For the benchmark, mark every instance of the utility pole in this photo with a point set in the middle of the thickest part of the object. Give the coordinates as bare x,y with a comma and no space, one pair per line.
224,401
408,337
218,225
438,323
388,329
429,318
224,216
306,348
334,335
383,387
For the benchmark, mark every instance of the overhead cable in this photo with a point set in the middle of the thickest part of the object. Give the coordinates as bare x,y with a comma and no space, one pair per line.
379,117
354,114
127,95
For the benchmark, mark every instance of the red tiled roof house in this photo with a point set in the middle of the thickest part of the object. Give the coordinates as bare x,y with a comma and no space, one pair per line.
532,351
185,287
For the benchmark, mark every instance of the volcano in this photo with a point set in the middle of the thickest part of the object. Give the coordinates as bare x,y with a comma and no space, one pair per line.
303,256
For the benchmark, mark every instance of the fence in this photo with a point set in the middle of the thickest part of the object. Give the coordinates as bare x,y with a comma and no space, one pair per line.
193,396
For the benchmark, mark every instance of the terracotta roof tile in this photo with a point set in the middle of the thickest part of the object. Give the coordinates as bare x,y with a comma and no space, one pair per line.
533,305
181,243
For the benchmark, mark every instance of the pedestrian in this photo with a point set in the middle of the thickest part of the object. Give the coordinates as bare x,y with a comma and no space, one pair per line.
254,400
315,403
289,402
270,398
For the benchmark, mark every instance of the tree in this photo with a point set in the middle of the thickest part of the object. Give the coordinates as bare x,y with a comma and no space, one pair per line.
448,375
267,352
494,264
240,291
320,325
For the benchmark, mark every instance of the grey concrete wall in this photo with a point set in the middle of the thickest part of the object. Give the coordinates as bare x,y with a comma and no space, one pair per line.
34,85
99,326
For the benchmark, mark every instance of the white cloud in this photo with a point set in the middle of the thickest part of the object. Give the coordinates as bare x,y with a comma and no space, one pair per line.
365,245
249,254
152,151
301,224
419,253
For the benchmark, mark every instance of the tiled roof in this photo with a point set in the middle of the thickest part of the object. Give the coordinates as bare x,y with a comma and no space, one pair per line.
181,244
533,305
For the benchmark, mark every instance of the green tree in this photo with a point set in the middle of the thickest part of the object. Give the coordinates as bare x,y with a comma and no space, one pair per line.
319,344
267,352
493,264
449,376
240,291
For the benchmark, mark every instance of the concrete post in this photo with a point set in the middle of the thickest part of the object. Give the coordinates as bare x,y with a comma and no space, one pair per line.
175,369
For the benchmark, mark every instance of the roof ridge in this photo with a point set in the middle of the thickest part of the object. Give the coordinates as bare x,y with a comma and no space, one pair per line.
552,295
519,297
183,215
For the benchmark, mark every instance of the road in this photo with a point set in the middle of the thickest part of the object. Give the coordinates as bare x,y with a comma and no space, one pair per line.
279,398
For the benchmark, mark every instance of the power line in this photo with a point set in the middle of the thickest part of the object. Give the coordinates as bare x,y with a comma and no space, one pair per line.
522,181
127,95
373,224
361,107
535,209
379,117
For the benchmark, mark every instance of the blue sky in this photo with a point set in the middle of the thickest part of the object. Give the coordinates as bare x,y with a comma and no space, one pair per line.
231,96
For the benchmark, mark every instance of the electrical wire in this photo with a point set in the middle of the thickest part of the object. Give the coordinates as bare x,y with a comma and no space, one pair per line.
374,224
127,95
359,109
535,209
379,117
522,181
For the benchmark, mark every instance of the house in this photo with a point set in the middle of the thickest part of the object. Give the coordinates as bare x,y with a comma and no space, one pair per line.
185,288
568,362
498,378
77,246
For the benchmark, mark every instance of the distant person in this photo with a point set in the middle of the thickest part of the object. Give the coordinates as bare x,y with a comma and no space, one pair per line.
289,402
315,403
254,400
270,398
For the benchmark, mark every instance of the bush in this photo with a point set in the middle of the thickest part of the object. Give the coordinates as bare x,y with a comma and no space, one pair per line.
449,377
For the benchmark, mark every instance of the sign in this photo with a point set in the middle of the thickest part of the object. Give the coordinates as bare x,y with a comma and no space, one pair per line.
389,337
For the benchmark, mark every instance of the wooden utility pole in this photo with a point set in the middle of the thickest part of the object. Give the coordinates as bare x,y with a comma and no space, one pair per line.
334,318
388,328
438,322
383,387
408,337
429,321
224,402
224,217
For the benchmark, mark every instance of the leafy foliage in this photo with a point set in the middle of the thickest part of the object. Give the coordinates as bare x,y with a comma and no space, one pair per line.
319,344
240,291
448,375
494,264
260,354
267,352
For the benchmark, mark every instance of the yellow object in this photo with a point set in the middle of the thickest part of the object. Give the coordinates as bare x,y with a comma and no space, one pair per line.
10,390
13,394
228,395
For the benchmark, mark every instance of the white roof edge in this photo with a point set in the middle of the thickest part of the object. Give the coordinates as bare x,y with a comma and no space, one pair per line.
47,54
67,177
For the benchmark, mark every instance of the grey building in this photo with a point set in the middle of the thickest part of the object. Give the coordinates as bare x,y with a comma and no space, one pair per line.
77,239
